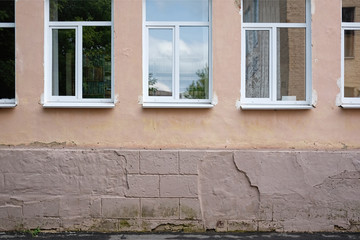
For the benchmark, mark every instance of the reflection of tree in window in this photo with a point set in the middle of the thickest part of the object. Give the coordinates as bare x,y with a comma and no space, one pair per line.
152,82
96,46
65,42
7,46
97,62
7,63
80,10
198,89
7,10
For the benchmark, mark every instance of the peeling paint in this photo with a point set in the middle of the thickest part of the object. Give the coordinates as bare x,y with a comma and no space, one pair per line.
314,98
338,100
42,99
215,99
238,105
339,83
237,4
116,99
127,52
312,7
140,100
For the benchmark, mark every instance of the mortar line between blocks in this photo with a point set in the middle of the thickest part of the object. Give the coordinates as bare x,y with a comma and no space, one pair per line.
139,169
101,206
140,216
178,161
159,187
179,209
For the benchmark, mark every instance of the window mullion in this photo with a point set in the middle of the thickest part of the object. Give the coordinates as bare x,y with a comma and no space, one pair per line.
308,60
176,78
146,63
273,64
342,89
79,61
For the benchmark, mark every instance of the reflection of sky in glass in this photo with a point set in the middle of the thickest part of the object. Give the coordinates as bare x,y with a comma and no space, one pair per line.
193,47
177,10
193,54
161,58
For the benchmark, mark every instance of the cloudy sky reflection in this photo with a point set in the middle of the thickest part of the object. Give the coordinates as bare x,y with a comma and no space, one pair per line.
193,42
177,10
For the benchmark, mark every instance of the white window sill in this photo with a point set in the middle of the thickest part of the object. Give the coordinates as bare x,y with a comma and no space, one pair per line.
77,105
350,106
275,107
7,105
177,105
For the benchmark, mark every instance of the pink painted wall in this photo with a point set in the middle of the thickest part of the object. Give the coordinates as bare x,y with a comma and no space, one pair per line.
128,125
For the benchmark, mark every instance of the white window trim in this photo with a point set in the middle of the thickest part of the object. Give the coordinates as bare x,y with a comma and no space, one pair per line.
76,101
12,102
346,102
174,101
272,103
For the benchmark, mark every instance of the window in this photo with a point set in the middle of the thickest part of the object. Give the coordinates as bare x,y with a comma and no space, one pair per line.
350,90
276,54
7,56
348,15
177,57
79,70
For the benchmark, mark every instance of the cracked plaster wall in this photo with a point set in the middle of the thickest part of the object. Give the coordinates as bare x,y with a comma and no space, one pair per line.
128,125
140,190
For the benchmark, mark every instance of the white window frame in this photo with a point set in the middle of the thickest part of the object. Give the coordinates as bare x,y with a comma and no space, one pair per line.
272,102
347,102
10,103
174,101
76,101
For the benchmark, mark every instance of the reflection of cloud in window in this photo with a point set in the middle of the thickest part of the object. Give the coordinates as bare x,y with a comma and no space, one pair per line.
161,87
193,57
177,10
160,48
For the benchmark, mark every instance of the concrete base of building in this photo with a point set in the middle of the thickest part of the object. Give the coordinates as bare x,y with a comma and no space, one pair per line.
179,190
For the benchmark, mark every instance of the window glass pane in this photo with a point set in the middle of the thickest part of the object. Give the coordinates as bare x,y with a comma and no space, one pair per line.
177,10
161,51
7,9
7,63
257,64
96,62
80,10
194,62
291,62
63,62
348,14
352,70
349,43
350,10
274,11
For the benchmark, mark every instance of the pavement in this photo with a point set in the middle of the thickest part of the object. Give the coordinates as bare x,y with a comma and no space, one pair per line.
179,236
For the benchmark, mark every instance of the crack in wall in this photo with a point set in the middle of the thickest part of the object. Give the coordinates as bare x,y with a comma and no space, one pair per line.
126,170
200,195
248,180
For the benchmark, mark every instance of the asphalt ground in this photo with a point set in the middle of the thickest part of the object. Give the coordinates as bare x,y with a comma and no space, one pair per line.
180,236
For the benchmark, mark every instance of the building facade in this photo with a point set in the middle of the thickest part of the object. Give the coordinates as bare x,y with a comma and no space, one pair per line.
193,115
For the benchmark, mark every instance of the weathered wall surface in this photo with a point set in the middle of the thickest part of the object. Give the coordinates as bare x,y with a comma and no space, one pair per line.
128,125
130,190
136,190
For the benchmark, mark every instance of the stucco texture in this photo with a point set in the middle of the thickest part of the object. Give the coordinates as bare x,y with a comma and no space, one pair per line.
128,125
128,190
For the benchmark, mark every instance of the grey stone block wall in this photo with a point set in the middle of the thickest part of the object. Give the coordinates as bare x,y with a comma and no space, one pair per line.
157,190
